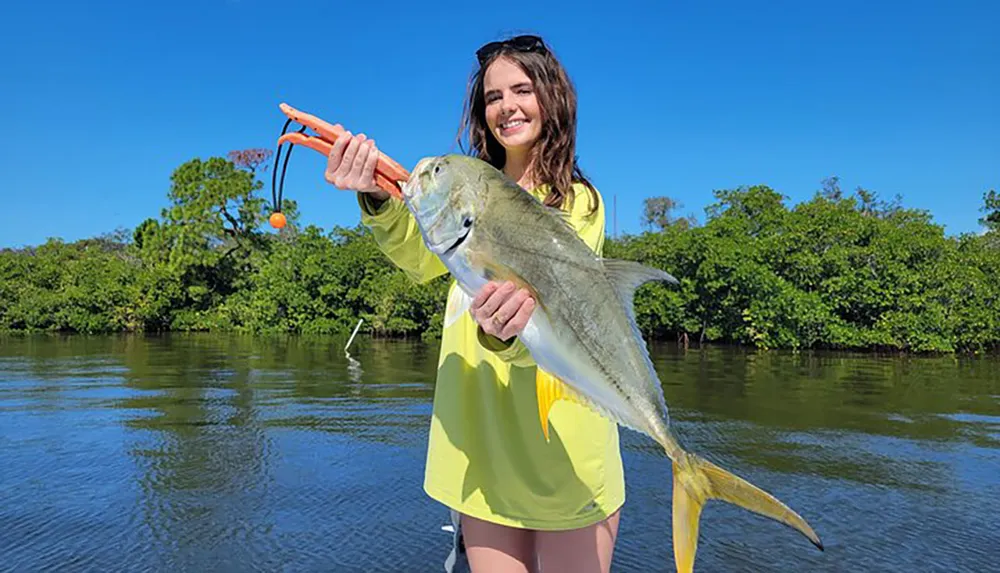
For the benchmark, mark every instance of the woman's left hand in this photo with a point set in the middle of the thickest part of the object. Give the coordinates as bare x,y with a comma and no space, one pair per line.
501,309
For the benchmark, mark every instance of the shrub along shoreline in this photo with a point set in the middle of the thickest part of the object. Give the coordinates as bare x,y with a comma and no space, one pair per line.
838,271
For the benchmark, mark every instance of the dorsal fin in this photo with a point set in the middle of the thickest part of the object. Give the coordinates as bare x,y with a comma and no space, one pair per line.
626,277
630,275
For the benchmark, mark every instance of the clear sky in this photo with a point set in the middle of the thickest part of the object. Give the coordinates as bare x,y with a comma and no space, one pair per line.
102,100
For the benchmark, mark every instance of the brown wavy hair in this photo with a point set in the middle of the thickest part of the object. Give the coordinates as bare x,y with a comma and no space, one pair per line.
553,160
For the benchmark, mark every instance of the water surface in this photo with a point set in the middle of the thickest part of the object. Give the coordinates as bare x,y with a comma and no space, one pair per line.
227,453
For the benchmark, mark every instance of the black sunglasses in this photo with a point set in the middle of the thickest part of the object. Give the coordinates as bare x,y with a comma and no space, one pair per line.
525,43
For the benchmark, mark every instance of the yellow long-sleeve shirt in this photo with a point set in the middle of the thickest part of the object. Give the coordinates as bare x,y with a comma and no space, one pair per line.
487,456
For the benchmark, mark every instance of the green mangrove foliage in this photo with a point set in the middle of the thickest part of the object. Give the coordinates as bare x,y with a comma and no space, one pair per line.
837,271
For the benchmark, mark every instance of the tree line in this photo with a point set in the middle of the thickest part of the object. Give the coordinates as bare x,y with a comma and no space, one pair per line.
842,271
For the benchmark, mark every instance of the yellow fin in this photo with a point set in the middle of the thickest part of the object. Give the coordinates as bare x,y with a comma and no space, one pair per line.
689,498
548,389
696,481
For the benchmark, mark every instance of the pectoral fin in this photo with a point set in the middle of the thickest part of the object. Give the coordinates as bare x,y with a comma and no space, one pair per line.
548,389
457,304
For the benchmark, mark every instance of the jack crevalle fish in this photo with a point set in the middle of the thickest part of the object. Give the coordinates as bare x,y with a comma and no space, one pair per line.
588,349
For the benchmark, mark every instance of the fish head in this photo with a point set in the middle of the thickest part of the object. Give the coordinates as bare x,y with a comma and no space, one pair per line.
445,194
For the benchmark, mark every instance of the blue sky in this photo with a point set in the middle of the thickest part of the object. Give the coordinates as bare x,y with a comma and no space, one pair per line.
102,100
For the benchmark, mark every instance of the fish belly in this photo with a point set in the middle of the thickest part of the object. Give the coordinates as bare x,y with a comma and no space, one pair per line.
577,371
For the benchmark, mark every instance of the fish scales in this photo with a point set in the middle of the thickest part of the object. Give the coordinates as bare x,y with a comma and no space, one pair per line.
580,300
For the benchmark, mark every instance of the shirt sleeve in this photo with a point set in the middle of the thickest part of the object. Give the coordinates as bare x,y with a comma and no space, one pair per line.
398,236
588,220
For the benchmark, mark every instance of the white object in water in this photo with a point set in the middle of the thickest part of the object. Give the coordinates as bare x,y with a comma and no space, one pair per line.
351,339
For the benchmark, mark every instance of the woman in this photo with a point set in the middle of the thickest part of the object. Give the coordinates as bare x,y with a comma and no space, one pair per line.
523,500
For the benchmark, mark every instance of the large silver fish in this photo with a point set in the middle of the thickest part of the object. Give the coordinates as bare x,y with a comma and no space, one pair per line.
582,333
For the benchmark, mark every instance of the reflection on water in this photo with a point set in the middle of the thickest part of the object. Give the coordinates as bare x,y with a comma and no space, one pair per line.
210,452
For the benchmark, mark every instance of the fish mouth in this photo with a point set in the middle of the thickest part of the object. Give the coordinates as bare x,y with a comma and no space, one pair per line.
412,186
408,188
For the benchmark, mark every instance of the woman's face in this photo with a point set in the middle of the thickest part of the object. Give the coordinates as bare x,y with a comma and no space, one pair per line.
512,111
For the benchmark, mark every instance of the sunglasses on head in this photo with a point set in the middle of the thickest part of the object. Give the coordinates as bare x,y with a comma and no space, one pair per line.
526,43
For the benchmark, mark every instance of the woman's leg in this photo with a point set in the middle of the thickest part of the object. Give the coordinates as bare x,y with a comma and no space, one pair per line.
496,548
585,550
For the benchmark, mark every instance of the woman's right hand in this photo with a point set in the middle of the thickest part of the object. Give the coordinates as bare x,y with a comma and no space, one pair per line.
501,309
351,165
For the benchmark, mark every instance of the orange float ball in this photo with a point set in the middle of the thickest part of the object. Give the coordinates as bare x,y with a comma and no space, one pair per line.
277,220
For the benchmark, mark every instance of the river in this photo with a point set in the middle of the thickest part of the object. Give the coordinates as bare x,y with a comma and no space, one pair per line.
232,453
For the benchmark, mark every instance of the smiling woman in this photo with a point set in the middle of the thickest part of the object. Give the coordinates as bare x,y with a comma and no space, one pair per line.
523,500
512,112
523,97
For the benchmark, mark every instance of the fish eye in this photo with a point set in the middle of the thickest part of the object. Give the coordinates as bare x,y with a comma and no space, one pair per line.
437,169
467,222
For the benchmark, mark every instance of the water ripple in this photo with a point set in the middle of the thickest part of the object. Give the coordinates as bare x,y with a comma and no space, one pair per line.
235,454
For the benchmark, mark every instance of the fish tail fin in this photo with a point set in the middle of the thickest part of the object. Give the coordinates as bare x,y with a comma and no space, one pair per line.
696,481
